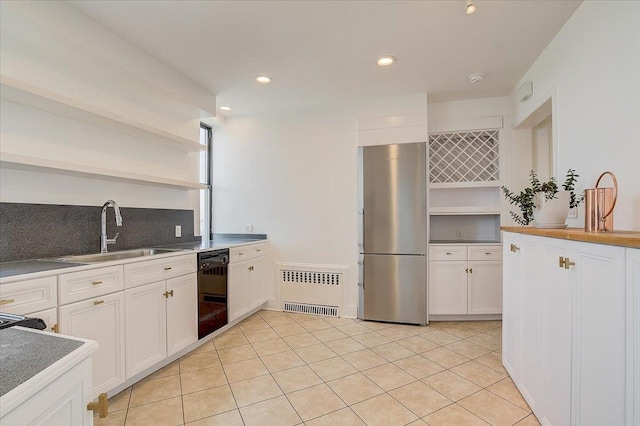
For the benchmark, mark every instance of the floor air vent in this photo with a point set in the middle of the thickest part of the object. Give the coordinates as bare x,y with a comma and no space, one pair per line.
311,289
303,308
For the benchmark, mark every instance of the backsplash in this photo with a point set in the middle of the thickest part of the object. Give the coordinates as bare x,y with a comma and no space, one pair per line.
36,231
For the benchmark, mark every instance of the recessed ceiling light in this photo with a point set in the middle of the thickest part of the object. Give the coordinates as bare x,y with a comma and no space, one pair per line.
263,79
474,78
470,7
225,108
385,61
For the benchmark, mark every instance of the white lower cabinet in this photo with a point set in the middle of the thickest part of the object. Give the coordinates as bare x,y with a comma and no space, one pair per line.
161,319
182,312
247,280
566,329
238,289
462,282
447,287
100,319
50,318
146,330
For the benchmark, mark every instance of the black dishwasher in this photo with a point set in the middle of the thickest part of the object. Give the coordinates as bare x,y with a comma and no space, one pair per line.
212,291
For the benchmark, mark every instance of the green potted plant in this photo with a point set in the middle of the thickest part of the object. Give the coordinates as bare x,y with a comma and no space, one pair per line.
545,201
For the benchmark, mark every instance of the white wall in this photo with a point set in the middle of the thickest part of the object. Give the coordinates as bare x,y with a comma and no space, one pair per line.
52,46
590,70
294,177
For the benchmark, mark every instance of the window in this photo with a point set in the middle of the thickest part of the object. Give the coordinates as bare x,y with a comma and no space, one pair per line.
206,136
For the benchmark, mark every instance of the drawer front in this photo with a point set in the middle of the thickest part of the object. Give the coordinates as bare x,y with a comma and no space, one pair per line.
485,253
83,285
28,296
150,271
258,249
448,253
238,254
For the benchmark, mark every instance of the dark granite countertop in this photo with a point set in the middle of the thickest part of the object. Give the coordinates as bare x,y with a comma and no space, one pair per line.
21,267
220,241
23,354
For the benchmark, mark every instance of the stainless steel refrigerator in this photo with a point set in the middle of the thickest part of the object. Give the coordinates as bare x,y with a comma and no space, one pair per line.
393,237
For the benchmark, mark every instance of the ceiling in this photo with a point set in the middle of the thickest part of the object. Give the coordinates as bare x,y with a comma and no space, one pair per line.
324,52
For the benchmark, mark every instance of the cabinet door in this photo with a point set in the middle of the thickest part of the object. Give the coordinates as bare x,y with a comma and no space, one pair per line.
556,316
50,318
485,288
238,290
145,328
258,282
599,335
447,287
633,336
530,365
182,312
100,319
511,283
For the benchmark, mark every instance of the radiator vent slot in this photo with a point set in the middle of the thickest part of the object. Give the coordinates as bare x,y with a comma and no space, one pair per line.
308,277
327,311
311,289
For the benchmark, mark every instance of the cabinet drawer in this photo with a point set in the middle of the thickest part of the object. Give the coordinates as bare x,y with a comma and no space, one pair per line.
238,254
28,296
83,285
485,253
150,271
448,253
258,249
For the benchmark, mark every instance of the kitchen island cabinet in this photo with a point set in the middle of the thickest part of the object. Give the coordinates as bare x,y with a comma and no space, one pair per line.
569,327
55,389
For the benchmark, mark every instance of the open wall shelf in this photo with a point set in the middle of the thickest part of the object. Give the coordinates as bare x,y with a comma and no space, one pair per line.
23,162
23,93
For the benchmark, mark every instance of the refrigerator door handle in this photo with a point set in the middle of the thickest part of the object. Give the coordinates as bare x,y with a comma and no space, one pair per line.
361,243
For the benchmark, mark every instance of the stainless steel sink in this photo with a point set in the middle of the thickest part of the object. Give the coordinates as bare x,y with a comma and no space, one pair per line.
117,255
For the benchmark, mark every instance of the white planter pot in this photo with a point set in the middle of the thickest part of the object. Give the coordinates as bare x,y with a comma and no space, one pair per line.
551,213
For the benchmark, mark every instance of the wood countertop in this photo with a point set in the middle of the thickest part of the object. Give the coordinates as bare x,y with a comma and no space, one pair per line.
615,238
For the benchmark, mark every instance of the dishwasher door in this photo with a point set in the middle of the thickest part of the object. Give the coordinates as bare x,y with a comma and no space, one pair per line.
212,293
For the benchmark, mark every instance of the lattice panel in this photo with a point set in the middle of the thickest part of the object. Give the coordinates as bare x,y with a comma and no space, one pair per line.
464,157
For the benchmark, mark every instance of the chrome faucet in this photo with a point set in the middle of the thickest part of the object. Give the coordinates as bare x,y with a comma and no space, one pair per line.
104,241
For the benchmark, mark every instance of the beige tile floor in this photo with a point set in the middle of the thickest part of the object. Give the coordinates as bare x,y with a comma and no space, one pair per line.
290,369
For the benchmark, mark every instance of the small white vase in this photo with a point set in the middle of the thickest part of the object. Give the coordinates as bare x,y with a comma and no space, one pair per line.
551,213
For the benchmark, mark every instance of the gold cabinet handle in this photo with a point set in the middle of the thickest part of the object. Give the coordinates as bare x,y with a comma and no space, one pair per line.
101,407
166,294
466,270
471,270
168,268
241,253
55,328
7,301
449,253
258,249
97,302
488,253
514,248
96,282
565,262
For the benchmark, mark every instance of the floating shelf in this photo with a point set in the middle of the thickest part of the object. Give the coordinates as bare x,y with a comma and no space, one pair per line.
35,97
449,185
23,162
466,210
